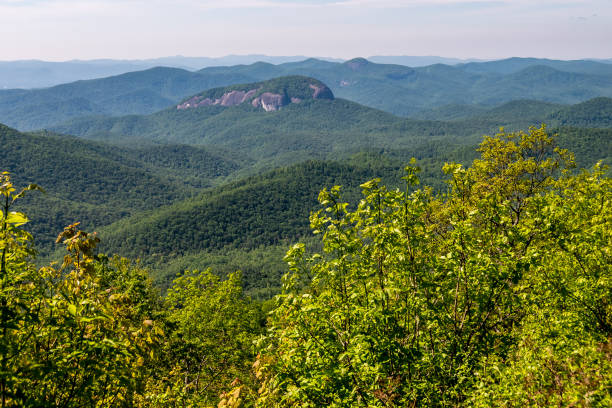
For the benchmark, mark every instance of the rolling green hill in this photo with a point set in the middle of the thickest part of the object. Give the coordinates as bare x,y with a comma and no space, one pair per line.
149,201
246,225
595,112
516,112
450,112
97,184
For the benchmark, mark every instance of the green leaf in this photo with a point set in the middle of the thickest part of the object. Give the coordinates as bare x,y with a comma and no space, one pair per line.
16,218
72,309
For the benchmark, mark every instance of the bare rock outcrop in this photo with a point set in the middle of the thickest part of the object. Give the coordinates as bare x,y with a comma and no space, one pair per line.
259,97
321,92
231,98
269,101
195,102
234,98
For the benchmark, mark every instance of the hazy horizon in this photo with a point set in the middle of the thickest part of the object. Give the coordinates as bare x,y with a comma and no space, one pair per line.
65,30
295,57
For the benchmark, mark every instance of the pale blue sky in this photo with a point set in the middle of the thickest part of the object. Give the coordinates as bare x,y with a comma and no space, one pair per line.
135,29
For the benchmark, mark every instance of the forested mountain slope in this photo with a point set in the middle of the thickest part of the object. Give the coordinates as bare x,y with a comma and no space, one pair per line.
254,218
258,210
97,184
515,64
595,113
246,225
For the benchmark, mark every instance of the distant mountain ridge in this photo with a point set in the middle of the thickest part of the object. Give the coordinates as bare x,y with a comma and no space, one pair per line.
420,61
28,74
515,64
397,89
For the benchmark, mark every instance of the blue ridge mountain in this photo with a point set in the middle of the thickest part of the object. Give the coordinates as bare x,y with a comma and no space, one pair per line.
284,120
295,116
397,89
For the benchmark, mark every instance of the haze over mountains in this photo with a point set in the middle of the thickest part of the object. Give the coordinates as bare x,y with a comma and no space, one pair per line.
397,89
38,74
27,74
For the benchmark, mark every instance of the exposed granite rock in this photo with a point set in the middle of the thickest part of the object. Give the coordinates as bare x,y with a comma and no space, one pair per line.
321,92
260,98
234,98
195,102
231,98
269,101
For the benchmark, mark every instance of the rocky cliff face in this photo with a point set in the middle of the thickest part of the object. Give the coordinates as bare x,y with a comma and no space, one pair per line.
321,92
269,96
269,101
231,98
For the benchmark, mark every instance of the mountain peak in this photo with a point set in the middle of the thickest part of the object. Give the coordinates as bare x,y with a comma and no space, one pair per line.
269,95
357,63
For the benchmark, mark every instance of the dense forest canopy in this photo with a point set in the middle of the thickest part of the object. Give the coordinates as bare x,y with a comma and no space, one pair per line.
493,291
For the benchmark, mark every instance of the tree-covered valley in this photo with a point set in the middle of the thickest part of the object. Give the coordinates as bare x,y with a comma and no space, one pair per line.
277,236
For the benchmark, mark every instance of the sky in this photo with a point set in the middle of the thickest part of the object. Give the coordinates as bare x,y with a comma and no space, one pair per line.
58,30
